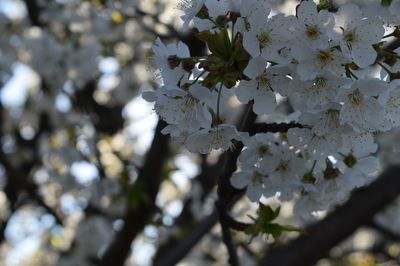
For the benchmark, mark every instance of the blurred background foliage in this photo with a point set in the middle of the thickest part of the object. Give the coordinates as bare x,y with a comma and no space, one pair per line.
85,176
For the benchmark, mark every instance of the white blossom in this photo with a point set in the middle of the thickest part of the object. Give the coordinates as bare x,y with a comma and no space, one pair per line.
361,110
262,86
208,139
357,34
252,179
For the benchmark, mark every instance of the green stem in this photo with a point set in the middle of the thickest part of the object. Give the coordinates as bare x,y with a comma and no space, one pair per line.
193,57
215,23
198,77
348,70
385,68
218,102
388,35
390,54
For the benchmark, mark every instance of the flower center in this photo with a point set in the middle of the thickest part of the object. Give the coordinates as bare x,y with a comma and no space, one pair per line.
263,150
324,57
264,81
283,167
188,103
257,177
264,39
312,32
320,82
356,97
333,117
350,37
216,139
350,160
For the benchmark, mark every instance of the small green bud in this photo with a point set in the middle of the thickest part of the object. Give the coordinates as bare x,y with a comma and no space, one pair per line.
188,64
309,178
330,172
350,160
203,13
173,61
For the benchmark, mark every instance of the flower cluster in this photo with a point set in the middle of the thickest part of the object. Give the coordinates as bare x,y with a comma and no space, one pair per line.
330,67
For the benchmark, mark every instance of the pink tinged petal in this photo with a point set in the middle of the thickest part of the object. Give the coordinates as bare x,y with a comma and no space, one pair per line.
363,55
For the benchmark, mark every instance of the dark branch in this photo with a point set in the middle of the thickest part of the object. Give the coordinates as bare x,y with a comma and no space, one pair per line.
227,236
391,46
226,192
207,181
274,127
340,224
33,12
150,177
234,224
184,246
383,230
228,198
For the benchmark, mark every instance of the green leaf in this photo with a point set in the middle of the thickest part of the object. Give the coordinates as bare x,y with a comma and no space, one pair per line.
276,229
72,136
386,2
263,224
267,213
218,43
290,228
323,5
273,229
138,194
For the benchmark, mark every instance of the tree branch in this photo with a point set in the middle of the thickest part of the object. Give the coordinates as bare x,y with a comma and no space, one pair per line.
33,13
274,127
228,198
150,177
340,224
227,236
181,249
383,230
